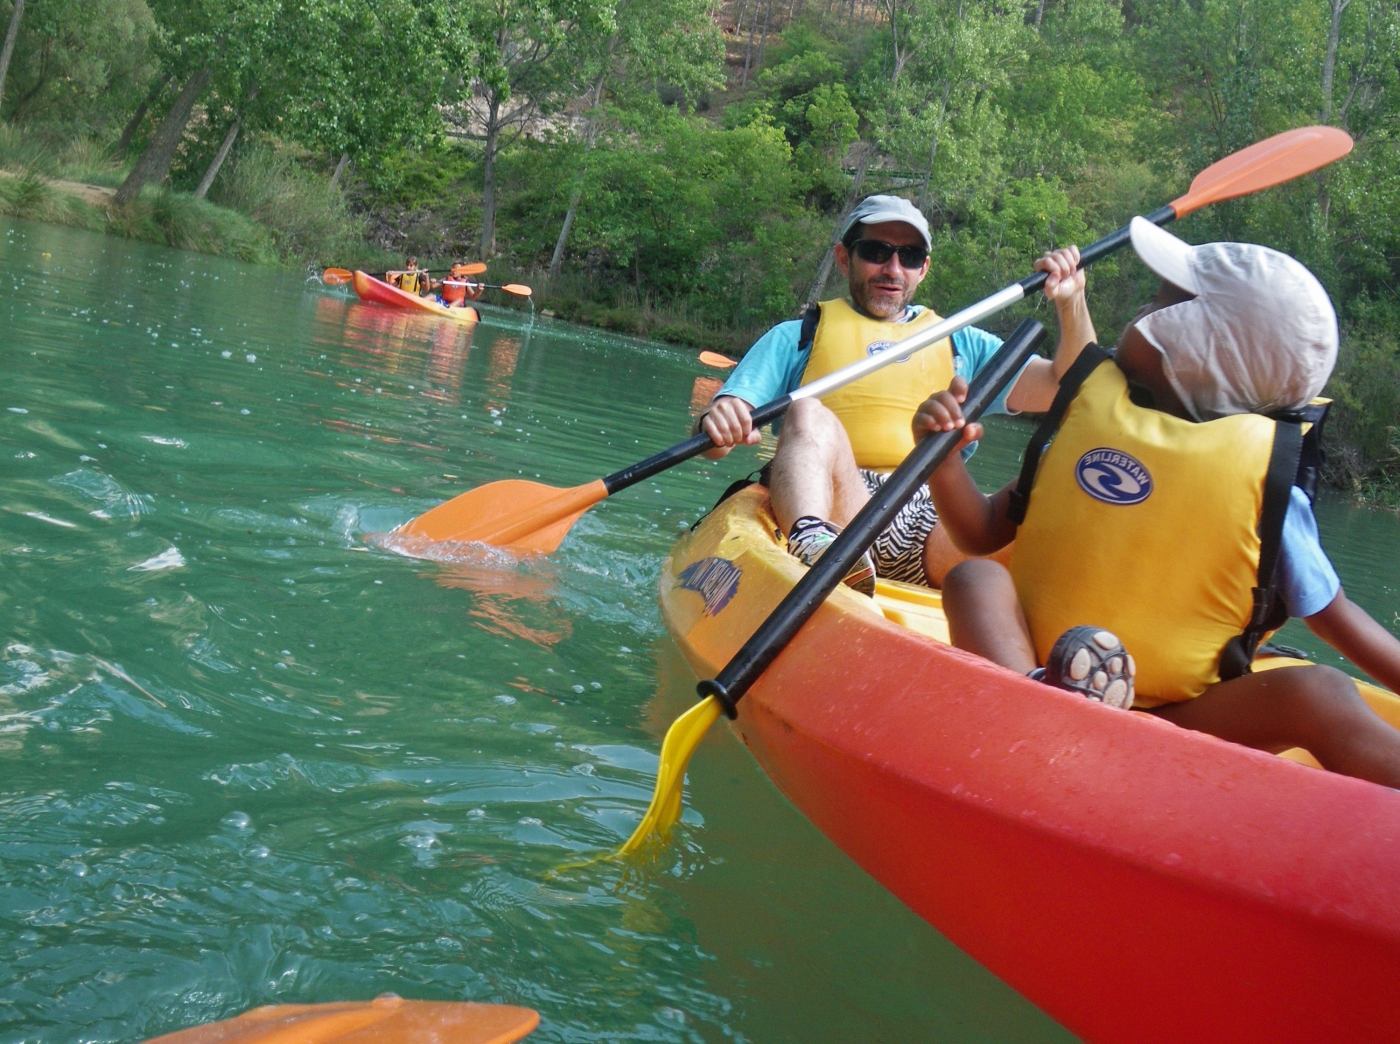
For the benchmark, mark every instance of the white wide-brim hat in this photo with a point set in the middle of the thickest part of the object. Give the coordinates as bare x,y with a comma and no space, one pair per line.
1260,334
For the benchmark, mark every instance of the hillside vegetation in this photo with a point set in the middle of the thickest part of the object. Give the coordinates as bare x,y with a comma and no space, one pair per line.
672,168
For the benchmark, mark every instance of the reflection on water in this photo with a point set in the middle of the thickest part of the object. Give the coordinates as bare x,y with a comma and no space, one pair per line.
251,755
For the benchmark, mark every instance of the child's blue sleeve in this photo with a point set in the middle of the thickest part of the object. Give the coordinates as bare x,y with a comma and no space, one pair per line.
1307,583
771,368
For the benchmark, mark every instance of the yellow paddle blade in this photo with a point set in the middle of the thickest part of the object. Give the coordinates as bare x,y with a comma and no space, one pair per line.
518,289
524,517
386,1020
720,362
682,738
336,276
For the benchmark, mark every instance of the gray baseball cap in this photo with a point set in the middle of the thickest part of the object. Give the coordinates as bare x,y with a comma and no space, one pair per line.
874,210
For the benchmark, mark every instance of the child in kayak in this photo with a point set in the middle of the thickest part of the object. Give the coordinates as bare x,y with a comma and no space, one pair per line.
1164,501
410,280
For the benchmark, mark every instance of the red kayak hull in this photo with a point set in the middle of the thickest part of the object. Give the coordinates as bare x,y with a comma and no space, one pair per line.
1137,881
376,291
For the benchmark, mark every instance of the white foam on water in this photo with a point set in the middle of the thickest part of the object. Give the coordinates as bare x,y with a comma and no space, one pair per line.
168,559
162,440
51,520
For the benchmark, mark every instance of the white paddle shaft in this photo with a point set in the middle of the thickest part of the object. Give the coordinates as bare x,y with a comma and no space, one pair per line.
988,306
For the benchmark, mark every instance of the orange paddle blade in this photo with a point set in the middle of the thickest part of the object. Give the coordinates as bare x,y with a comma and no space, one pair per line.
475,268
524,517
385,1020
721,362
336,276
1265,164
518,289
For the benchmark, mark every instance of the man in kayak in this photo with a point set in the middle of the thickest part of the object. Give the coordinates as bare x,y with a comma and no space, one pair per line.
1166,501
833,454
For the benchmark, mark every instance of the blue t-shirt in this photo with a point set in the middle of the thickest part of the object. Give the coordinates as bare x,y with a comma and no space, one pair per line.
1307,583
773,366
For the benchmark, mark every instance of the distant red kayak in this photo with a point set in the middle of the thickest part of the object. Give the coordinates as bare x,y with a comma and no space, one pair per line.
376,291
1137,881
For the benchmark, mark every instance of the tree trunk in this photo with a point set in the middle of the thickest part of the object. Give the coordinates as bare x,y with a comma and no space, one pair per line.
1329,61
218,160
129,131
762,36
590,136
852,198
222,154
748,51
1039,13
154,163
488,177
557,260
340,169
9,48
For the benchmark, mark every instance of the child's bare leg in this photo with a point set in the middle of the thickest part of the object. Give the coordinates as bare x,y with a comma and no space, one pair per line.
984,614
1317,708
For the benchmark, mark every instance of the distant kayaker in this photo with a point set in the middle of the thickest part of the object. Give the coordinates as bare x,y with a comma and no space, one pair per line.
1172,510
457,289
832,454
410,280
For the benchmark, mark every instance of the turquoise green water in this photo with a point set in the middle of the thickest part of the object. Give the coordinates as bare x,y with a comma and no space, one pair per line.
248,756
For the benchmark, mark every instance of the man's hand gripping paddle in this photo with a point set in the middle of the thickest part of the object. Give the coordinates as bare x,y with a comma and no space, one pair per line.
1268,163
531,517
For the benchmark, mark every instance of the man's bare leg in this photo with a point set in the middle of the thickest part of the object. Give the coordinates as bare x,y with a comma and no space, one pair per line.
814,470
1317,708
984,614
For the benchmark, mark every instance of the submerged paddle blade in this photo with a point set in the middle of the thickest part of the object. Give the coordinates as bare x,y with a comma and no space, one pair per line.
524,517
719,362
1265,164
385,1020
518,289
336,276
682,738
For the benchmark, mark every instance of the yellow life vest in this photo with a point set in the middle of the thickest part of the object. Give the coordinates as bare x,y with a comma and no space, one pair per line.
877,410
1149,525
408,281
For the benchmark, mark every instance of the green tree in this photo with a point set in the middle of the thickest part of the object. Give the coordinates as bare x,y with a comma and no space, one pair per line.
642,44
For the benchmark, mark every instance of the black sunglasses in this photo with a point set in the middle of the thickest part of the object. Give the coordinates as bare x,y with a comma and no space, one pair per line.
877,252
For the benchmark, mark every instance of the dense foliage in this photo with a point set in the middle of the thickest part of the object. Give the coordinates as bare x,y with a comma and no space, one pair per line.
673,167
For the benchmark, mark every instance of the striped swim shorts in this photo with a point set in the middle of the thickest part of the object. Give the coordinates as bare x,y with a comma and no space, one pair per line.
899,550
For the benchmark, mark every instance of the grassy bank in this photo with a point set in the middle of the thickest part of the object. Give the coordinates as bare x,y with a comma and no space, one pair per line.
266,207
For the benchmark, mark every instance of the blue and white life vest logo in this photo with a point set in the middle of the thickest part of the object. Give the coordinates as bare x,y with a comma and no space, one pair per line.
1113,477
876,347
715,579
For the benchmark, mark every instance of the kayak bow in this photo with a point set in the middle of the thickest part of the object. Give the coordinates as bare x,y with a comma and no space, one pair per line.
1136,880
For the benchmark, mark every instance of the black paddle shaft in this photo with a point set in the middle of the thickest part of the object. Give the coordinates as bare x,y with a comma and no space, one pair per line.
1105,246
811,591
683,451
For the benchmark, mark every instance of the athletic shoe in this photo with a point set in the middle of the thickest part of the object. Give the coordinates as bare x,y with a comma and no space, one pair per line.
1093,663
808,541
